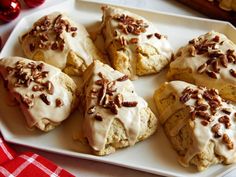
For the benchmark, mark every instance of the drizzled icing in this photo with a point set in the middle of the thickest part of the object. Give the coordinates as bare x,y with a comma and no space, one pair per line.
46,106
98,118
146,36
72,42
184,61
202,133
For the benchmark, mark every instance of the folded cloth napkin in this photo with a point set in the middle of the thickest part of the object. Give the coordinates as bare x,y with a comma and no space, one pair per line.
27,164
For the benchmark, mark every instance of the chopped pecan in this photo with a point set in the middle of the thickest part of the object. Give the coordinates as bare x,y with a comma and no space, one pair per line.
204,115
49,87
123,78
216,38
211,74
157,35
185,97
226,111
129,103
149,36
44,99
232,72
133,41
202,68
204,122
215,66
225,120
59,102
226,139
113,107
98,117
223,60
215,129
118,100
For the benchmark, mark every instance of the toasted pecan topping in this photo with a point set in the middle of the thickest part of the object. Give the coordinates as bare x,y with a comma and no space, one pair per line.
129,103
59,102
106,94
55,27
129,25
123,78
216,58
226,139
98,117
44,98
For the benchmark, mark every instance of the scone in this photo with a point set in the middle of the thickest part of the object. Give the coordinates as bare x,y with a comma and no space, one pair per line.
46,96
114,115
133,43
198,122
57,40
208,60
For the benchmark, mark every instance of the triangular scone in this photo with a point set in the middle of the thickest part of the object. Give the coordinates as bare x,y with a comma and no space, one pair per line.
209,60
199,123
45,95
57,40
114,115
133,43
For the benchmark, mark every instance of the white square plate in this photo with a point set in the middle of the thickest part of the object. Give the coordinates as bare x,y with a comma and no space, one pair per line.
153,155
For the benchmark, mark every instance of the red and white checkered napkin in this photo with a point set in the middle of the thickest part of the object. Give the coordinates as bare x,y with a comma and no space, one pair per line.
27,164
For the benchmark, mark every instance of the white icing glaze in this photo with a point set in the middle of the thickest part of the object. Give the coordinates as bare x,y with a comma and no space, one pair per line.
97,131
201,135
77,44
40,110
110,26
185,61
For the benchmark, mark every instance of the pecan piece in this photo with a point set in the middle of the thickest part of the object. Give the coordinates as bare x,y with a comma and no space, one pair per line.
98,117
223,61
123,78
149,36
204,122
49,87
113,107
227,141
203,115
215,129
133,41
216,38
118,100
225,120
202,68
185,97
212,74
44,99
59,102
157,35
129,103
232,72
215,66
226,111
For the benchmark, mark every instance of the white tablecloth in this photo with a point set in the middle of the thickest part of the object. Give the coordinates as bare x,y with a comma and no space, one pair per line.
86,168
